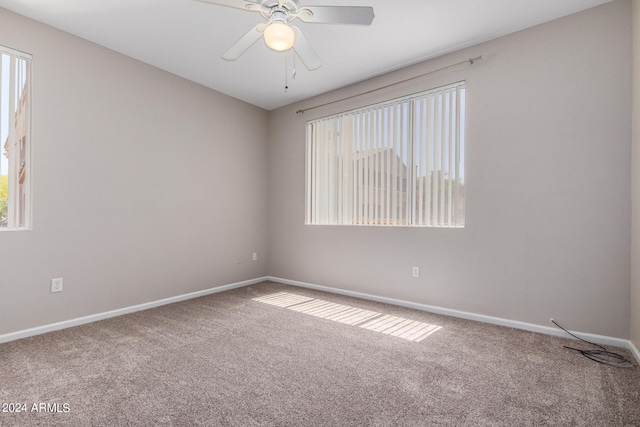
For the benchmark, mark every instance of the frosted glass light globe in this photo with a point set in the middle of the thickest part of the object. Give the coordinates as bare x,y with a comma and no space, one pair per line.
279,36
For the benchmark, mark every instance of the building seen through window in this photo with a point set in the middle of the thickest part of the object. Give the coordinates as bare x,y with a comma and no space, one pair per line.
15,122
398,163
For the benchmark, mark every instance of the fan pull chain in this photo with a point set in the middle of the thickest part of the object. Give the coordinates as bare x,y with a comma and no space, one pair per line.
286,73
293,73
286,69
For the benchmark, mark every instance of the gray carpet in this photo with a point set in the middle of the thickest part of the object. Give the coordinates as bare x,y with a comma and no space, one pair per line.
226,359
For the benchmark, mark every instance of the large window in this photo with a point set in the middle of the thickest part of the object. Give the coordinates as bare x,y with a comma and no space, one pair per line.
397,163
15,144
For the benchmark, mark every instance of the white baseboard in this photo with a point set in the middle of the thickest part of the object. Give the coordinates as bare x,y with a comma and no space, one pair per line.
119,312
635,351
600,339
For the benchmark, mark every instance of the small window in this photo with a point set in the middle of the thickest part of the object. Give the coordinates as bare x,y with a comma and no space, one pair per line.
398,163
15,123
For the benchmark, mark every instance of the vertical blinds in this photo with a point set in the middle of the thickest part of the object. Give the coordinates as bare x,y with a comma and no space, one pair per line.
396,163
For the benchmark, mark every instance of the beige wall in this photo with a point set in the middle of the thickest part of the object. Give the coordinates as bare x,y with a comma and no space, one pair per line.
635,167
548,186
145,185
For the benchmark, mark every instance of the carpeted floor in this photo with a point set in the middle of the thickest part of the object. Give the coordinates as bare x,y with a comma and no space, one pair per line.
227,359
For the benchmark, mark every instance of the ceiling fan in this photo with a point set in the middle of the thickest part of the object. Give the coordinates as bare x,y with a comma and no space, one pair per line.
280,36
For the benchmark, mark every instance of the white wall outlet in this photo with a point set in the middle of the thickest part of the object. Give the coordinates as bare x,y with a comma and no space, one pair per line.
56,285
415,271
255,256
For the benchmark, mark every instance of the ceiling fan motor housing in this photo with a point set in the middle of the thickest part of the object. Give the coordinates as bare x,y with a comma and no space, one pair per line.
279,10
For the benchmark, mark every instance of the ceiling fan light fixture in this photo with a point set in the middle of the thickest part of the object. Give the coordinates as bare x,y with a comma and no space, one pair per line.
279,36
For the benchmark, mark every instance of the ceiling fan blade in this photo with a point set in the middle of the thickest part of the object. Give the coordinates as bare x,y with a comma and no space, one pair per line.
305,51
244,43
354,15
253,5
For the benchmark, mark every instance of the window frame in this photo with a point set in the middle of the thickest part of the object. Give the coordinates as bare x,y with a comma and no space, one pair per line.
451,102
19,218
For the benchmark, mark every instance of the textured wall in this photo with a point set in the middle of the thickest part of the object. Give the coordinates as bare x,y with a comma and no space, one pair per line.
548,185
635,167
145,185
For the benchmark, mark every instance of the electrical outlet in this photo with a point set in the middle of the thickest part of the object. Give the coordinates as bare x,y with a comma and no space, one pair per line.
255,256
56,285
415,271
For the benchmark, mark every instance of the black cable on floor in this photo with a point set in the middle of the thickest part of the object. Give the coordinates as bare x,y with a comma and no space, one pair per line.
602,355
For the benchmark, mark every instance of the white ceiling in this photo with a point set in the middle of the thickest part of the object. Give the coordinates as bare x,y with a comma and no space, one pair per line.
187,37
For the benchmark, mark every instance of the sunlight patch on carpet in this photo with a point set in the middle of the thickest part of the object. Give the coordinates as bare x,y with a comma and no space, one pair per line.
400,327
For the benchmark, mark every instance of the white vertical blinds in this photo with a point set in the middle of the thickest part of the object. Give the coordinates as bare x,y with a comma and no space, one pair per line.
400,162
